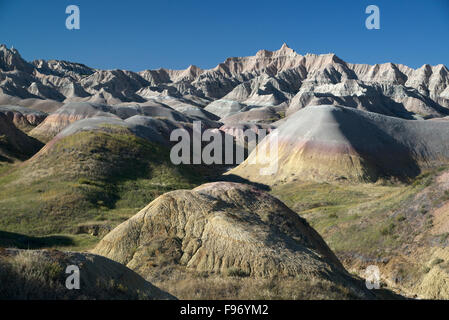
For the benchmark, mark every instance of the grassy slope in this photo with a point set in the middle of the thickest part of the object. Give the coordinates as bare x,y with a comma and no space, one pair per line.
91,177
370,223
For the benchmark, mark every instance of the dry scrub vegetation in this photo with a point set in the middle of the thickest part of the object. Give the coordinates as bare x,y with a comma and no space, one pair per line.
397,226
216,287
31,274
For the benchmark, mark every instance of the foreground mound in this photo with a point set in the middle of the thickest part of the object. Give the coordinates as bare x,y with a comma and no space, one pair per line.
40,274
221,230
325,143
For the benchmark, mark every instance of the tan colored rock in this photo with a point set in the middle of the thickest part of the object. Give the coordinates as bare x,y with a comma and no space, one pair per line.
23,118
220,227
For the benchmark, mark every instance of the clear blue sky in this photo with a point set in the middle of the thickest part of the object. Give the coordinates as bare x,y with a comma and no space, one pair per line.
137,35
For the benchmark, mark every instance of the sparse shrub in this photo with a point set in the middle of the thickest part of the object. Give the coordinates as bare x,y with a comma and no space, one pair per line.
423,180
236,272
436,261
445,196
3,139
444,237
202,274
85,181
429,222
388,230
53,270
101,217
119,287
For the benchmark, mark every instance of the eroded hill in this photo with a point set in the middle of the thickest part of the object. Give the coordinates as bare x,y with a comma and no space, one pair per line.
328,143
196,244
96,173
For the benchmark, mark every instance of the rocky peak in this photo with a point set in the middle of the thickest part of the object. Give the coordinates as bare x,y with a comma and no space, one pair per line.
10,60
62,68
286,50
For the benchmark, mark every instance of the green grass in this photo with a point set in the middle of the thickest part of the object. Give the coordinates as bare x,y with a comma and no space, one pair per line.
355,217
73,242
31,275
103,176
375,223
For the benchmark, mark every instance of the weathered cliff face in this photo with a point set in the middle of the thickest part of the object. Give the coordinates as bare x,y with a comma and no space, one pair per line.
24,119
269,78
75,111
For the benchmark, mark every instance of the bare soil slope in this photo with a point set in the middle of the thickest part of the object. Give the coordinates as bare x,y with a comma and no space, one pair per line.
327,143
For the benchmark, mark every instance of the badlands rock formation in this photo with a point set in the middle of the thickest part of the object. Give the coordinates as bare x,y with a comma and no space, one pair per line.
74,111
14,144
40,274
326,143
107,135
66,115
23,118
154,130
256,115
220,227
270,78
242,133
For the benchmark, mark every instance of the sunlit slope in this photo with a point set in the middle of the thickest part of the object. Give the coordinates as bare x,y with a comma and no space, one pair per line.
328,143
97,171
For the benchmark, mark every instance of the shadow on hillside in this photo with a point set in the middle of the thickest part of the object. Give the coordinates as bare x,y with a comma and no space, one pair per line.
4,159
386,294
238,179
20,241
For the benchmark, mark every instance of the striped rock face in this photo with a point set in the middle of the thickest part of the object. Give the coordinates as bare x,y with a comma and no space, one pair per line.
325,143
23,118
66,115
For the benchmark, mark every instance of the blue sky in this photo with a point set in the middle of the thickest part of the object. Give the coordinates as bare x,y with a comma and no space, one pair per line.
138,35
